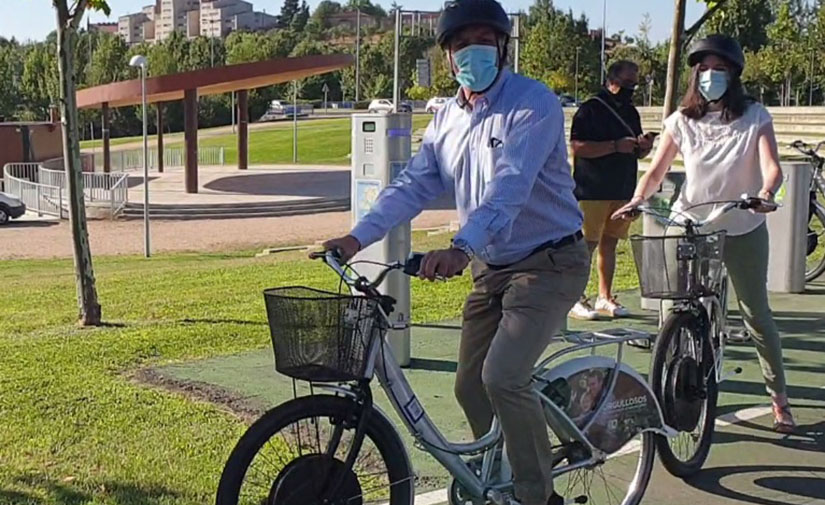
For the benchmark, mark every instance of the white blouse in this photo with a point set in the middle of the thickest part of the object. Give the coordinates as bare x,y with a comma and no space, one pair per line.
721,163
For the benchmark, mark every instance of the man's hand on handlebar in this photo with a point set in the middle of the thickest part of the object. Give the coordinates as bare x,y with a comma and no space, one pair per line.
629,210
444,263
346,247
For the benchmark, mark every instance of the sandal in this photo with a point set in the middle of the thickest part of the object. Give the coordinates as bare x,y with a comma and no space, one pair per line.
783,421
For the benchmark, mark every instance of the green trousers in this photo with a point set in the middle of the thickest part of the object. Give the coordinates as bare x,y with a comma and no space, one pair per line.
746,258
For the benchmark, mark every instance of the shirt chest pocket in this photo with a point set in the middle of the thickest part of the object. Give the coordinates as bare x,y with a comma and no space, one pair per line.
490,161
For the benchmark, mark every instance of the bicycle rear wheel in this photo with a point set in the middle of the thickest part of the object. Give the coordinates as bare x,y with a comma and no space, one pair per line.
295,454
815,260
683,377
621,480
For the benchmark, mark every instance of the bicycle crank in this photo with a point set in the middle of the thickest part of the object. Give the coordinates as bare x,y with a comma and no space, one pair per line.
499,498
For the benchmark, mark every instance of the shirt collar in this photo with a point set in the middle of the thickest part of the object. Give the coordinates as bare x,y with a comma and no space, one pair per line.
489,97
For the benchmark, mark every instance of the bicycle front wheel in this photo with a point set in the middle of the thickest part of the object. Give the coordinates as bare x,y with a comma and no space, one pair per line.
815,259
683,377
295,455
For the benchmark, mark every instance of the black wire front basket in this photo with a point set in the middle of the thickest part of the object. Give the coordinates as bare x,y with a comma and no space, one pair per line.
320,336
679,267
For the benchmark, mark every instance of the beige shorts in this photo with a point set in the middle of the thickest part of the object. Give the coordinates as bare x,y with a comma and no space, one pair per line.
597,222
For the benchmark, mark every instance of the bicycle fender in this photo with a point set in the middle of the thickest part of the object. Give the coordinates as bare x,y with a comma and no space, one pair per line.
608,412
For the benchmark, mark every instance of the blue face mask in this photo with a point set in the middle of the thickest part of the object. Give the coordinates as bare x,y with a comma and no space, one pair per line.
477,66
713,84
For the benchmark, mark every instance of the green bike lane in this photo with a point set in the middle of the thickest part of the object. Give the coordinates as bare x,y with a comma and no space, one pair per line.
749,463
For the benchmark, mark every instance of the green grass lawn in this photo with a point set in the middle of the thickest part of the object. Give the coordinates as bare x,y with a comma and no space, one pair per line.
76,429
324,141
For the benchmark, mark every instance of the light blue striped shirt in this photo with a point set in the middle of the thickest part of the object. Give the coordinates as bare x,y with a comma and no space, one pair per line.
506,162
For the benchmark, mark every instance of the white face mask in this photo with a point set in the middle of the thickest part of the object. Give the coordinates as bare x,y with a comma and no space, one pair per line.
713,84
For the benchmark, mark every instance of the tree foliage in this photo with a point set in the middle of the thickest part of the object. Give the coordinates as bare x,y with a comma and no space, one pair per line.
746,20
779,35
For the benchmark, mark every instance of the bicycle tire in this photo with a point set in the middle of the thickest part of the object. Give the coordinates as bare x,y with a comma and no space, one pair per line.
673,327
817,270
378,429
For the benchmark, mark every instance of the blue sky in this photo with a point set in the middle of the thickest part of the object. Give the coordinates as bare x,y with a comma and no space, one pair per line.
33,19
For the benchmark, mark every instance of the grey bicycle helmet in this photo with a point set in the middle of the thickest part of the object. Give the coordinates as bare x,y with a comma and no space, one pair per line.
458,14
720,45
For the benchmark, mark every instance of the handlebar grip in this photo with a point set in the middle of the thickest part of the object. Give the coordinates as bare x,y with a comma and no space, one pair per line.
319,255
754,202
413,264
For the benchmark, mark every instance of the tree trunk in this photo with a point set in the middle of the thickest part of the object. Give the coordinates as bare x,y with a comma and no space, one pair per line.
86,292
674,59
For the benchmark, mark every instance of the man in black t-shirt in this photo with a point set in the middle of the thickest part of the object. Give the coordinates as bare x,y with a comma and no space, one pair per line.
607,142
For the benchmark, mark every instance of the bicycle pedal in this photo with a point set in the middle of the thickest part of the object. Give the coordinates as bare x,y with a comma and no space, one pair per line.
735,371
580,499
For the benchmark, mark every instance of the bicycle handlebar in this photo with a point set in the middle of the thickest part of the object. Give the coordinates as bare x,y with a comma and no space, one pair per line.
361,284
806,148
744,203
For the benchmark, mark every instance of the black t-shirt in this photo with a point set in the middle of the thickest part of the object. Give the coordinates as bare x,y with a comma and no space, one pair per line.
611,177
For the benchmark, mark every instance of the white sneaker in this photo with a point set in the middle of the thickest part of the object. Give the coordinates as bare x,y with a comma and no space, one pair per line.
611,308
583,311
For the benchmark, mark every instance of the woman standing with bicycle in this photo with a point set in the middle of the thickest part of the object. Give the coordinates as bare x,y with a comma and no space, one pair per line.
729,148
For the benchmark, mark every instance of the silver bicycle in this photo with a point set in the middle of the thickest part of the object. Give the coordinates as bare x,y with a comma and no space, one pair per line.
688,360
338,448
815,254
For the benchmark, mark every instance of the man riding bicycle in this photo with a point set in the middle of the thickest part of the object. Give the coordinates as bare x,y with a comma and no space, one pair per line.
500,146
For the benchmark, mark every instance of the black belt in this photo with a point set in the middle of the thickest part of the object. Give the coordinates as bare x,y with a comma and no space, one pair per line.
551,244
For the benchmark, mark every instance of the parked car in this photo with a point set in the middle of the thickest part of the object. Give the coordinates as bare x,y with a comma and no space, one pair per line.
276,107
280,110
10,208
385,105
435,104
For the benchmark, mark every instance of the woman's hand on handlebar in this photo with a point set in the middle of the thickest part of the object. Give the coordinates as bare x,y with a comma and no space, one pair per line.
444,263
629,210
765,204
346,247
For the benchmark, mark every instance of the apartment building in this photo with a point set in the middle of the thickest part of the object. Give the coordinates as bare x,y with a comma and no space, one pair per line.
219,17
211,18
130,27
177,15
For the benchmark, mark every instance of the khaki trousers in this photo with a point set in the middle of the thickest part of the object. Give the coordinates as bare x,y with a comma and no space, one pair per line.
509,319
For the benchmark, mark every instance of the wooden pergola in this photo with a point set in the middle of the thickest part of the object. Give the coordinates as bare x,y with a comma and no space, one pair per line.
187,86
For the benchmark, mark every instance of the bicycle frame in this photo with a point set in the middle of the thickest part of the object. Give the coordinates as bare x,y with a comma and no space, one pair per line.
400,393
448,454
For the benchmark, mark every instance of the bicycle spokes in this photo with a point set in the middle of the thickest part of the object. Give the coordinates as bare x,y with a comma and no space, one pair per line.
612,482
304,464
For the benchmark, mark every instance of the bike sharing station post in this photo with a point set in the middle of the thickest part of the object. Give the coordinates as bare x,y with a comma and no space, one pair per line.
381,147
788,230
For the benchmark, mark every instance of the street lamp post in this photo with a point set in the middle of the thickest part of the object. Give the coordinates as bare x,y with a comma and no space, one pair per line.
140,62
604,29
357,55
576,94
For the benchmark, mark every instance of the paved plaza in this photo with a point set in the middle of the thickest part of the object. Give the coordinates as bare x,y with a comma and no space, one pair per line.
749,463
